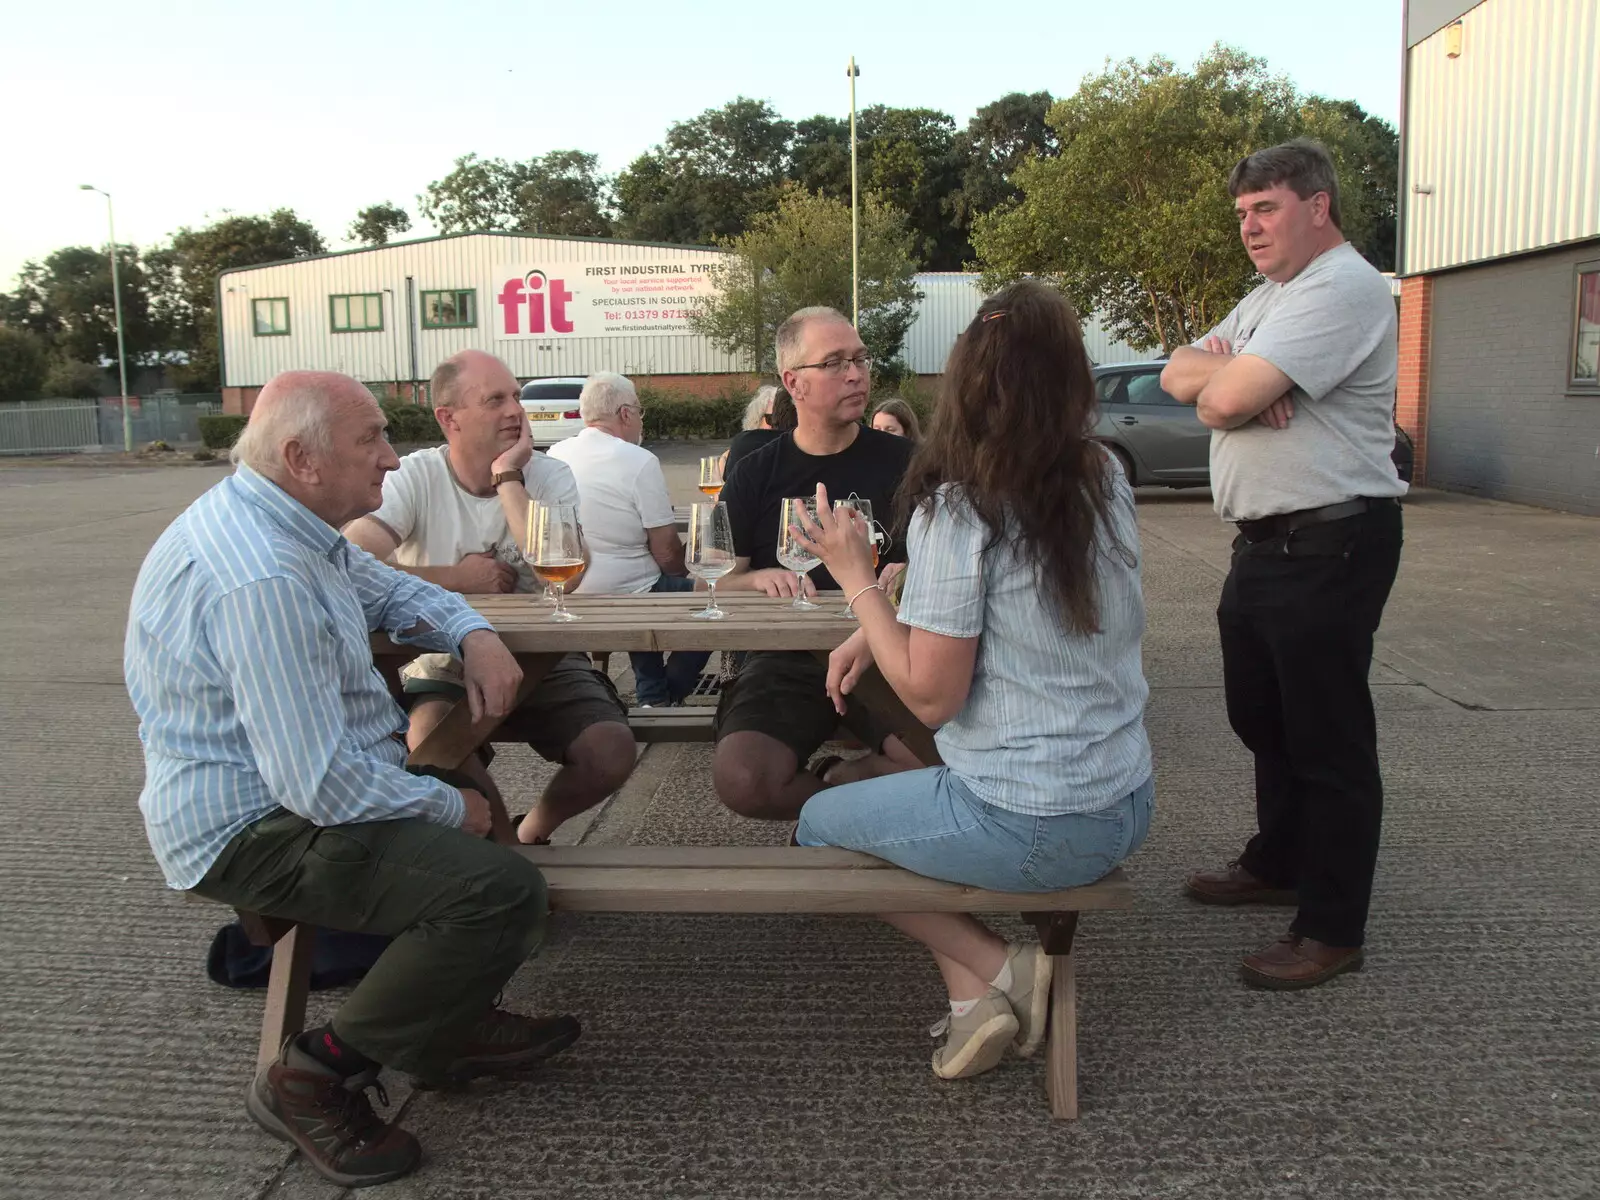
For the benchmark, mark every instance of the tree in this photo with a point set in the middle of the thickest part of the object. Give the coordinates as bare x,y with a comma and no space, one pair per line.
1366,150
1133,219
73,380
560,193
22,363
1001,137
819,156
67,301
185,272
799,255
710,177
912,163
374,224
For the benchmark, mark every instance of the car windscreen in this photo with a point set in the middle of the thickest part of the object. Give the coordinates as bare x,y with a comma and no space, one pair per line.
552,391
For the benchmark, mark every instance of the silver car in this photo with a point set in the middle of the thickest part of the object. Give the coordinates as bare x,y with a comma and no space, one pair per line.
1158,440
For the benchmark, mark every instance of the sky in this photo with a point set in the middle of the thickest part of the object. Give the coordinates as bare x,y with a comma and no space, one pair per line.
188,111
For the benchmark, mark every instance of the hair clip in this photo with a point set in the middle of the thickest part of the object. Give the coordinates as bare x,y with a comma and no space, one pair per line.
987,317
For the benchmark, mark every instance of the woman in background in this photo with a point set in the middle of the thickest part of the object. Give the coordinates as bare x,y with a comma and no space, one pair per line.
897,417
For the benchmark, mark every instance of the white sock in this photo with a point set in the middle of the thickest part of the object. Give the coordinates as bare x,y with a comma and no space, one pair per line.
960,1008
1002,982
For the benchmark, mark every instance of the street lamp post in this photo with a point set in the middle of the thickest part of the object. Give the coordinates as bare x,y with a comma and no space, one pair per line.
116,305
855,221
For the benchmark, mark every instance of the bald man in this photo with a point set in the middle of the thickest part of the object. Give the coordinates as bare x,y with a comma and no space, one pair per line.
274,776
457,515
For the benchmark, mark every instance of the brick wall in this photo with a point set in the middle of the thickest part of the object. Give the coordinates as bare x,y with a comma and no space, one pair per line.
1500,421
1416,339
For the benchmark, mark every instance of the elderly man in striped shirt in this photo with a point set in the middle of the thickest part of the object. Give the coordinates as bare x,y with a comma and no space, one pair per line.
275,777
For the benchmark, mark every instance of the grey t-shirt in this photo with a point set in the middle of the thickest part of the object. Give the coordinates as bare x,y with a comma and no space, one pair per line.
1054,720
1331,329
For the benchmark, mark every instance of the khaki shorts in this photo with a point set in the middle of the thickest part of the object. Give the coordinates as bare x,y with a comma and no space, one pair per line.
569,699
784,694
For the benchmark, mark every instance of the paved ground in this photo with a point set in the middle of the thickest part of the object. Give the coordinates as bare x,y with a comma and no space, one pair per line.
787,1057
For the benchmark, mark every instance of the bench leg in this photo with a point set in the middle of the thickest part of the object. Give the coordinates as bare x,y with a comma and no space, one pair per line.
287,986
1061,1048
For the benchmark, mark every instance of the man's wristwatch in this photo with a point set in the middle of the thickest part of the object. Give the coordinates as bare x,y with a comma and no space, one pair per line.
505,477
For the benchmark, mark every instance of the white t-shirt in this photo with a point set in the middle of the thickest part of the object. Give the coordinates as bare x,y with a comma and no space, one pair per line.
624,493
439,522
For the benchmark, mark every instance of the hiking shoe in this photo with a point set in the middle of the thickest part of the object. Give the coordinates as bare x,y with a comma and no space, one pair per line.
1029,995
502,1042
298,1100
977,1041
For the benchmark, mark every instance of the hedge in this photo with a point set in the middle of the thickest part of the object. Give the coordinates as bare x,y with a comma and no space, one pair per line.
219,431
412,424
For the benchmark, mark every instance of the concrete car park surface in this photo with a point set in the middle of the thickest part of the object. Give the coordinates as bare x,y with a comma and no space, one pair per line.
788,1057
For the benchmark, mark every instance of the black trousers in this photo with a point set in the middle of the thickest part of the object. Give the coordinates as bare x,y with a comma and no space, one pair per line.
1297,617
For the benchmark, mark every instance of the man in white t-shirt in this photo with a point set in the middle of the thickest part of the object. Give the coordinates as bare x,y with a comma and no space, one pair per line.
456,515
628,523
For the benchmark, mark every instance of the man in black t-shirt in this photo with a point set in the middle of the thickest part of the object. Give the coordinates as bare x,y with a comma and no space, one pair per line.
772,718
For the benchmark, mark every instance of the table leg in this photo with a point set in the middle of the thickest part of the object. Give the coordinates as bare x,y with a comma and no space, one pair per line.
873,691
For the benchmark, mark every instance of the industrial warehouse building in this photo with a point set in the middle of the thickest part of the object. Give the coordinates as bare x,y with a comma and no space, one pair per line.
546,305
1500,248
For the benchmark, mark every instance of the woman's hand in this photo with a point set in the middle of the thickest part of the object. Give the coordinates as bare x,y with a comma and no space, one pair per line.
841,541
845,665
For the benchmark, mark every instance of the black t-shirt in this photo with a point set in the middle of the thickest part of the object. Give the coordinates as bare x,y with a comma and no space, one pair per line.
747,441
871,467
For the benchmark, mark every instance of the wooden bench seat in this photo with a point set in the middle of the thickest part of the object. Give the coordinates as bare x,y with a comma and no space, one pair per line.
671,724
735,880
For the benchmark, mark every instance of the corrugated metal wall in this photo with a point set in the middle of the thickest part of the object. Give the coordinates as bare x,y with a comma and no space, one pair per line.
1507,135
467,262
949,302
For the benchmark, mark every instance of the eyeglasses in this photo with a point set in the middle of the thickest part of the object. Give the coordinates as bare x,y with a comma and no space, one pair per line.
836,366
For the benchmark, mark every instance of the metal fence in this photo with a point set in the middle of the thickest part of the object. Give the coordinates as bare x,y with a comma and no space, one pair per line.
86,426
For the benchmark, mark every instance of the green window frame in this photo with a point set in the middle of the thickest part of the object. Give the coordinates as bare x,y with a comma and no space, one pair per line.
356,312
450,308
276,313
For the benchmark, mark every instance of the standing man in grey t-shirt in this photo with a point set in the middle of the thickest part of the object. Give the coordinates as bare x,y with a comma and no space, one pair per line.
1297,385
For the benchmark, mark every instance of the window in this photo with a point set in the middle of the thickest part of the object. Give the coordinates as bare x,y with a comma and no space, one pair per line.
1585,365
450,310
270,317
356,314
1111,388
1146,389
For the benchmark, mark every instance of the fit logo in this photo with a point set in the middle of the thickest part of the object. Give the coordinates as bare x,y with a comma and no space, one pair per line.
530,292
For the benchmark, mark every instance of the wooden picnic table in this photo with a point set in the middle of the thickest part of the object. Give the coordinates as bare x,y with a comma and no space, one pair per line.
660,621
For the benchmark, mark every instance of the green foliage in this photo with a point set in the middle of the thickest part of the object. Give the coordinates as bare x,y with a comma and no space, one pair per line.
669,414
73,380
185,273
205,454
1001,137
67,300
219,431
708,179
559,193
411,424
799,256
374,225
1133,219
23,363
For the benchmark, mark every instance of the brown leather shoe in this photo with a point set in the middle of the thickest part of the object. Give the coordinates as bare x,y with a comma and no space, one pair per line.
1234,885
1294,962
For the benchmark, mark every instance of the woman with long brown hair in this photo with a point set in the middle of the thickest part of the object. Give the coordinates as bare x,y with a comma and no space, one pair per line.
1018,638
897,417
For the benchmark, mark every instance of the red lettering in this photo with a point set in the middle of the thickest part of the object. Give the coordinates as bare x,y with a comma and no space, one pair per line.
559,321
511,300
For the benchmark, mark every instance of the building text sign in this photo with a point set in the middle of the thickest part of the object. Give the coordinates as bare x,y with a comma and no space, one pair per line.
590,300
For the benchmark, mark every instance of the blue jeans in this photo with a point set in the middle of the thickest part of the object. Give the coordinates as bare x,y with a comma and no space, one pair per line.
667,679
929,822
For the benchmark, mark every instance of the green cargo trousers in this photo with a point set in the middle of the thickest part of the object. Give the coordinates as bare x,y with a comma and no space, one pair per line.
464,913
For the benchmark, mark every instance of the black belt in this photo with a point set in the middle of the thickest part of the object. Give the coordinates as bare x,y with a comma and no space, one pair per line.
1279,524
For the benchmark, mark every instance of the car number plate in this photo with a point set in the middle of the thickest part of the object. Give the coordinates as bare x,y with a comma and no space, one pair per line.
543,416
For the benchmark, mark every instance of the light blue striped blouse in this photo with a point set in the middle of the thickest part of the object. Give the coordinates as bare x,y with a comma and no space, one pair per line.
1054,722
249,663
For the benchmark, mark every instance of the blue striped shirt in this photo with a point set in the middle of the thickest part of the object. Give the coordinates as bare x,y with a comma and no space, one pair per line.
249,661
1054,720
